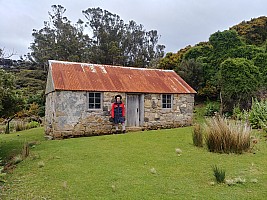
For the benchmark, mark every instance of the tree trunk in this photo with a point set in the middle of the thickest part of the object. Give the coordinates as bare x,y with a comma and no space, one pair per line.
7,131
221,106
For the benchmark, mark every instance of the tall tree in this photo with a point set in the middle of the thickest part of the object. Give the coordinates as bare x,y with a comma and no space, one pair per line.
115,42
59,39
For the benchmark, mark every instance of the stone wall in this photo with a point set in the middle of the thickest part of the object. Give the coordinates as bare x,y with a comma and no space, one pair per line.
180,114
67,114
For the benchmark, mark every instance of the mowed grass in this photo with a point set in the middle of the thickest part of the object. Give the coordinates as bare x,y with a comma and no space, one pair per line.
138,165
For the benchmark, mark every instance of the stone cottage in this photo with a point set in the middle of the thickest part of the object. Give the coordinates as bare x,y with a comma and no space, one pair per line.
79,98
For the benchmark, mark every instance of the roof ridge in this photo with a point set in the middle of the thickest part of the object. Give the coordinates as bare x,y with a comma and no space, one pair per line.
105,65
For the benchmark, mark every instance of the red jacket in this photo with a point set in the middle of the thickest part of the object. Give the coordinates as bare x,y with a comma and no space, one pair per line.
115,105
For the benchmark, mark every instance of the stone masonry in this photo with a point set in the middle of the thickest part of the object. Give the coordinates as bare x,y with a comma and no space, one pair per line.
67,114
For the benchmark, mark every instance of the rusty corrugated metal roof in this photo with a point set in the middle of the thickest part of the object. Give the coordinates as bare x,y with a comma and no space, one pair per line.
94,77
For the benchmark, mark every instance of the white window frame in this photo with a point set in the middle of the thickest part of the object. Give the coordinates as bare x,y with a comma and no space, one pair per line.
167,103
94,98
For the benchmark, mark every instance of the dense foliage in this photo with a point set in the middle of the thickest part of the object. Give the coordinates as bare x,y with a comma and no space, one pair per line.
258,114
10,101
239,80
230,67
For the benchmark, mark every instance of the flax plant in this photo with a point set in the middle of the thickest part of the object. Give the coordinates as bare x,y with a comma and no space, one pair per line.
225,136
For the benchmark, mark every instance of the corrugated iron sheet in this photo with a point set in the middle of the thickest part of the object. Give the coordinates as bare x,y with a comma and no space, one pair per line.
95,77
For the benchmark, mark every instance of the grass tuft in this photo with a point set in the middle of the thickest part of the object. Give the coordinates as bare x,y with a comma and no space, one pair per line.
17,159
197,135
219,174
41,164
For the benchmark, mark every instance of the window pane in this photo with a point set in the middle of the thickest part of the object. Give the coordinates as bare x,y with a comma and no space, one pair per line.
91,105
91,100
97,95
97,106
91,95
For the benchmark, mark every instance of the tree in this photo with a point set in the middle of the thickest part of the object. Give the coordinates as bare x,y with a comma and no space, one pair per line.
172,60
224,41
113,42
192,72
239,81
202,49
10,101
59,40
117,43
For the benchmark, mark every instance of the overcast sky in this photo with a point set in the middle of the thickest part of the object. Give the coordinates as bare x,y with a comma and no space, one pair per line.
179,22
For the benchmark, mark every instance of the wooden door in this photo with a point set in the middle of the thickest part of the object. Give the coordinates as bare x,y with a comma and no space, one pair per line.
133,110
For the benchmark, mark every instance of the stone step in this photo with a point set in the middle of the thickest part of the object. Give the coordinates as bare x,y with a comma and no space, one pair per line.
134,128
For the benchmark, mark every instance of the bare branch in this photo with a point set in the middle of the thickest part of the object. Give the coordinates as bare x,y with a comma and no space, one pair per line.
5,55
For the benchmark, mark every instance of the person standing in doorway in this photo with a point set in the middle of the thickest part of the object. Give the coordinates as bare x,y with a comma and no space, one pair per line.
118,113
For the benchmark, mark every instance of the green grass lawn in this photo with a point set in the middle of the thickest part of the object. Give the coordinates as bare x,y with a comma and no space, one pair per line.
138,165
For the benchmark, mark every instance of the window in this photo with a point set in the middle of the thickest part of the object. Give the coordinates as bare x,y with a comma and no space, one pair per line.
166,101
94,100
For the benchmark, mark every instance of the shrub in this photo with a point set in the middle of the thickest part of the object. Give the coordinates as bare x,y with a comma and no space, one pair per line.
225,136
197,136
32,124
212,108
258,114
20,125
219,174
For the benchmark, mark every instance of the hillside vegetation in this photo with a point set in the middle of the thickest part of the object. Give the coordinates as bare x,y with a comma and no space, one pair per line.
231,67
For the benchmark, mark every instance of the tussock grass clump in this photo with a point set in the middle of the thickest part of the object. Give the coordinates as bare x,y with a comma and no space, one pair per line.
225,136
219,174
197,135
